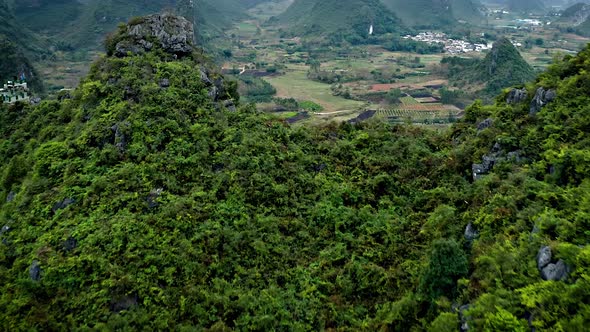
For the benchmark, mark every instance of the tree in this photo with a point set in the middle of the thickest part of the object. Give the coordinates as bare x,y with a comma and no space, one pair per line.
445,322
447,263
393,96
503,321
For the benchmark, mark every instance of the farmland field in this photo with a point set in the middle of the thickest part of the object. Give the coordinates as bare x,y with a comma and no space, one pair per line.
295,84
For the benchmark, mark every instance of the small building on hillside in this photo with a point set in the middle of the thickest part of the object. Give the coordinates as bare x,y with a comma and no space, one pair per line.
14,91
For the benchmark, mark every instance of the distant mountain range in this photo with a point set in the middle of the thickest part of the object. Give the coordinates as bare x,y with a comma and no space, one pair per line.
576,18
435,13
350,19
84,23
17,45
528,6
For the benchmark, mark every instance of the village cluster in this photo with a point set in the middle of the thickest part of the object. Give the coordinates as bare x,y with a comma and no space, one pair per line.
14,91
451,46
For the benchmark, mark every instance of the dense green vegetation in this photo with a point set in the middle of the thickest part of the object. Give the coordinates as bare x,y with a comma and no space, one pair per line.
143,201
503,66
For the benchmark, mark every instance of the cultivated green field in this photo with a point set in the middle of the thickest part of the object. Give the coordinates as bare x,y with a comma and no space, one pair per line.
294,84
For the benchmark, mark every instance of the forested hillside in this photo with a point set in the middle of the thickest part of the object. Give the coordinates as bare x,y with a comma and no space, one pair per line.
576,18
435,13
503,66
338,20
16,45
150,199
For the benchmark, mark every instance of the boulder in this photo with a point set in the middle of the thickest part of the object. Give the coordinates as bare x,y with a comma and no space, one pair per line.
70,244
555,272
478,170
174,34
230,106
470,232
544,257
35,271
487,123
35,101
213,93
516,96
124,303
205,77
5,229
11,196
153,197
464,318
120,138
63,204
164,83
542,97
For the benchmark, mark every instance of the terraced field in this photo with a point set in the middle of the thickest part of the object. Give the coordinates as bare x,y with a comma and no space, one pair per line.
416,116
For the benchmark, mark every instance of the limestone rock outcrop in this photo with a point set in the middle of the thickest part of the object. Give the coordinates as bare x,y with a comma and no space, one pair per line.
174,34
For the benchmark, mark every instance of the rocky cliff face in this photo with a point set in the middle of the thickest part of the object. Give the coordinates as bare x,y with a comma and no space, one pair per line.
169,38
172,34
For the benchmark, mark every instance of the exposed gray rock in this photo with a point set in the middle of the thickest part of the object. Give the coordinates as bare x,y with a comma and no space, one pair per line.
11,196
470,232
174,34
64,95
544,257
542,97
485,124
213,93
516,96
120,138
488,162
63,204
124,303
35,271
5,229
220,91
530,318
205,77
153,197
496,155
70,244
229,105
478,170
35,101
127,47
464,318
497,148
164,83
555,272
